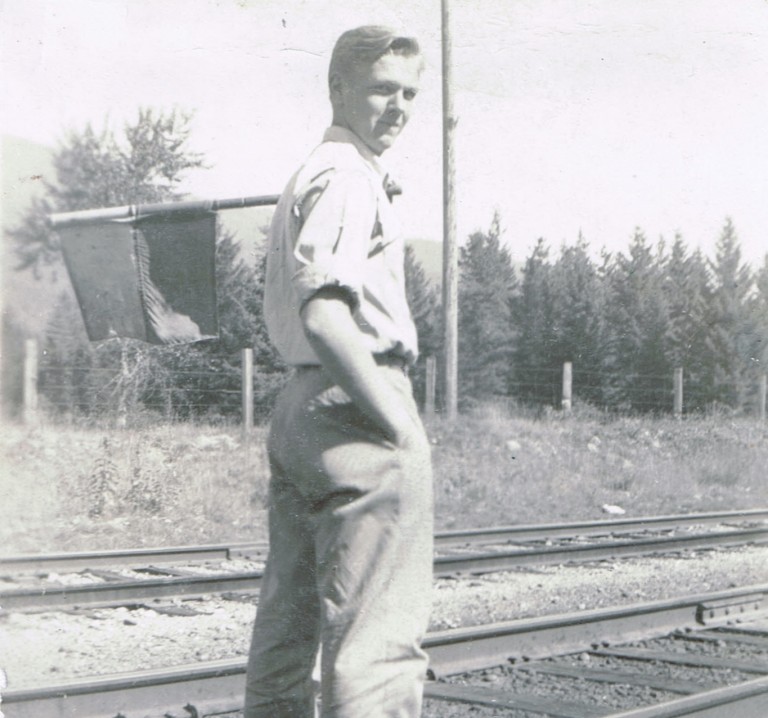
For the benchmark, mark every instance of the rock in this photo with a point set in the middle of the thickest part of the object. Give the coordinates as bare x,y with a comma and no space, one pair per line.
215,442
613,509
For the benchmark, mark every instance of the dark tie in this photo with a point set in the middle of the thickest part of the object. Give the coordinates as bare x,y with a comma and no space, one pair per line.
391,188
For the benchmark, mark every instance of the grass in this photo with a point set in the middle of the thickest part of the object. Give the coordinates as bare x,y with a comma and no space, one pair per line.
69,489
500,470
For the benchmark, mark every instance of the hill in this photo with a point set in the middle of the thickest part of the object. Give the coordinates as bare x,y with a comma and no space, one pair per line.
430,255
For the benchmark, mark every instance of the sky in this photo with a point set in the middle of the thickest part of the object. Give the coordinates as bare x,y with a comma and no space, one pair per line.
574,116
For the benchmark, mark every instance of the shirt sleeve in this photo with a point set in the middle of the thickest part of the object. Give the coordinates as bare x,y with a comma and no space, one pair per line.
337,218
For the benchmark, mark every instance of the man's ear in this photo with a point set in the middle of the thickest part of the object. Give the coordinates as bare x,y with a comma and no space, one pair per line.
336,87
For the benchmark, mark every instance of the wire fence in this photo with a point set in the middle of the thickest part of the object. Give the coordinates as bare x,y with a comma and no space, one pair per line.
182,395
239,391
623,392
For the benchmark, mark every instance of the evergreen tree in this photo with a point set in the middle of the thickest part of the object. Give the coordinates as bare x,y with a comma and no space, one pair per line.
733,329
66,380
576,326
535,370
637,321
759,309
12,366
424,305
487,284
688,295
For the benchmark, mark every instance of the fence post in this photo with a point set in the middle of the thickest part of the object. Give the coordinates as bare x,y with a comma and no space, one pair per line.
761,396
168,404
30,380
678,388
247,389
429,404
567,386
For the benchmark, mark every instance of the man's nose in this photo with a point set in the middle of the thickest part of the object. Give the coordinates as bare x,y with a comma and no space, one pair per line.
398,102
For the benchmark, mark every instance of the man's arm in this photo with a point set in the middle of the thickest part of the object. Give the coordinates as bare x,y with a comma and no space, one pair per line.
335,338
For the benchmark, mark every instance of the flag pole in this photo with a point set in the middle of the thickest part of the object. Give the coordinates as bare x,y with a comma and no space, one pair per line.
133,211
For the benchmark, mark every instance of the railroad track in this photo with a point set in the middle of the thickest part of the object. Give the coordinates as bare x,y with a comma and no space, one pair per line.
513,547
516,650
75,561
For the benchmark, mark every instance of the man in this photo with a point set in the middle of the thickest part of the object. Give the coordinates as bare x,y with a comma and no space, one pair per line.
350,507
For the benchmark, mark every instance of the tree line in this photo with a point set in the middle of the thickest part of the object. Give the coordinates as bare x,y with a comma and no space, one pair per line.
624,322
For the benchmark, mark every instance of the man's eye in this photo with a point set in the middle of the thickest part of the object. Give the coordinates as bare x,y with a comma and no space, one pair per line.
409,94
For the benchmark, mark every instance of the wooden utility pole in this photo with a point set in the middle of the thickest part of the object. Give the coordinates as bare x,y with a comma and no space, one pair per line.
450,249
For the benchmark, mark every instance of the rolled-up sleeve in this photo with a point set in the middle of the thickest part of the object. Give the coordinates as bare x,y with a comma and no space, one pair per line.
337,215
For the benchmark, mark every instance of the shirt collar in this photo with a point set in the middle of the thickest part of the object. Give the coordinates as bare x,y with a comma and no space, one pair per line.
335,133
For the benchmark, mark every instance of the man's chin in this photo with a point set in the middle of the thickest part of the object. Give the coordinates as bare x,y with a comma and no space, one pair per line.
379,145
385,141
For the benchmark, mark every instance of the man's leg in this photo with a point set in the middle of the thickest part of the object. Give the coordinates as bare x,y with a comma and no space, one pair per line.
368,504
286,631
374,557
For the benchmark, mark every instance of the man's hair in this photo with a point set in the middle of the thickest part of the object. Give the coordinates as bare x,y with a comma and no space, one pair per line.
367,44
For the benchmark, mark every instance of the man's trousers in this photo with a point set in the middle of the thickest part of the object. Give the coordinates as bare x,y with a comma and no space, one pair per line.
350,561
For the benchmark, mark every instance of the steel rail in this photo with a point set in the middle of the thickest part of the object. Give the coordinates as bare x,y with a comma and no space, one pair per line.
498,561
80,560
466,649
214,686
217,686
744,700
685,659
534,532
500,534
128,591
219,689
495,698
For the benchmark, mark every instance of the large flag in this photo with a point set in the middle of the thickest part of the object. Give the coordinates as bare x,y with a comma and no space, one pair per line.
150,278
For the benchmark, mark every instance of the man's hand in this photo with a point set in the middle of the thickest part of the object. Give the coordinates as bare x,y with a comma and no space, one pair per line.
335,338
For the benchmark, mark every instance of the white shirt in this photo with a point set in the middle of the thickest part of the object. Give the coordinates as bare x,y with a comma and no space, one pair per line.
335,226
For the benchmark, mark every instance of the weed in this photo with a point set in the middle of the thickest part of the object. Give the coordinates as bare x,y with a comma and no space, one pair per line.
100,486
189,483
722,471
154,485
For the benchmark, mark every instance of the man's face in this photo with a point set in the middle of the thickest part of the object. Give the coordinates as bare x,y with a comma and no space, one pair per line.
374,101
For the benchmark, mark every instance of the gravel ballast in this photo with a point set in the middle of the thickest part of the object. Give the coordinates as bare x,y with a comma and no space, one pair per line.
44,648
